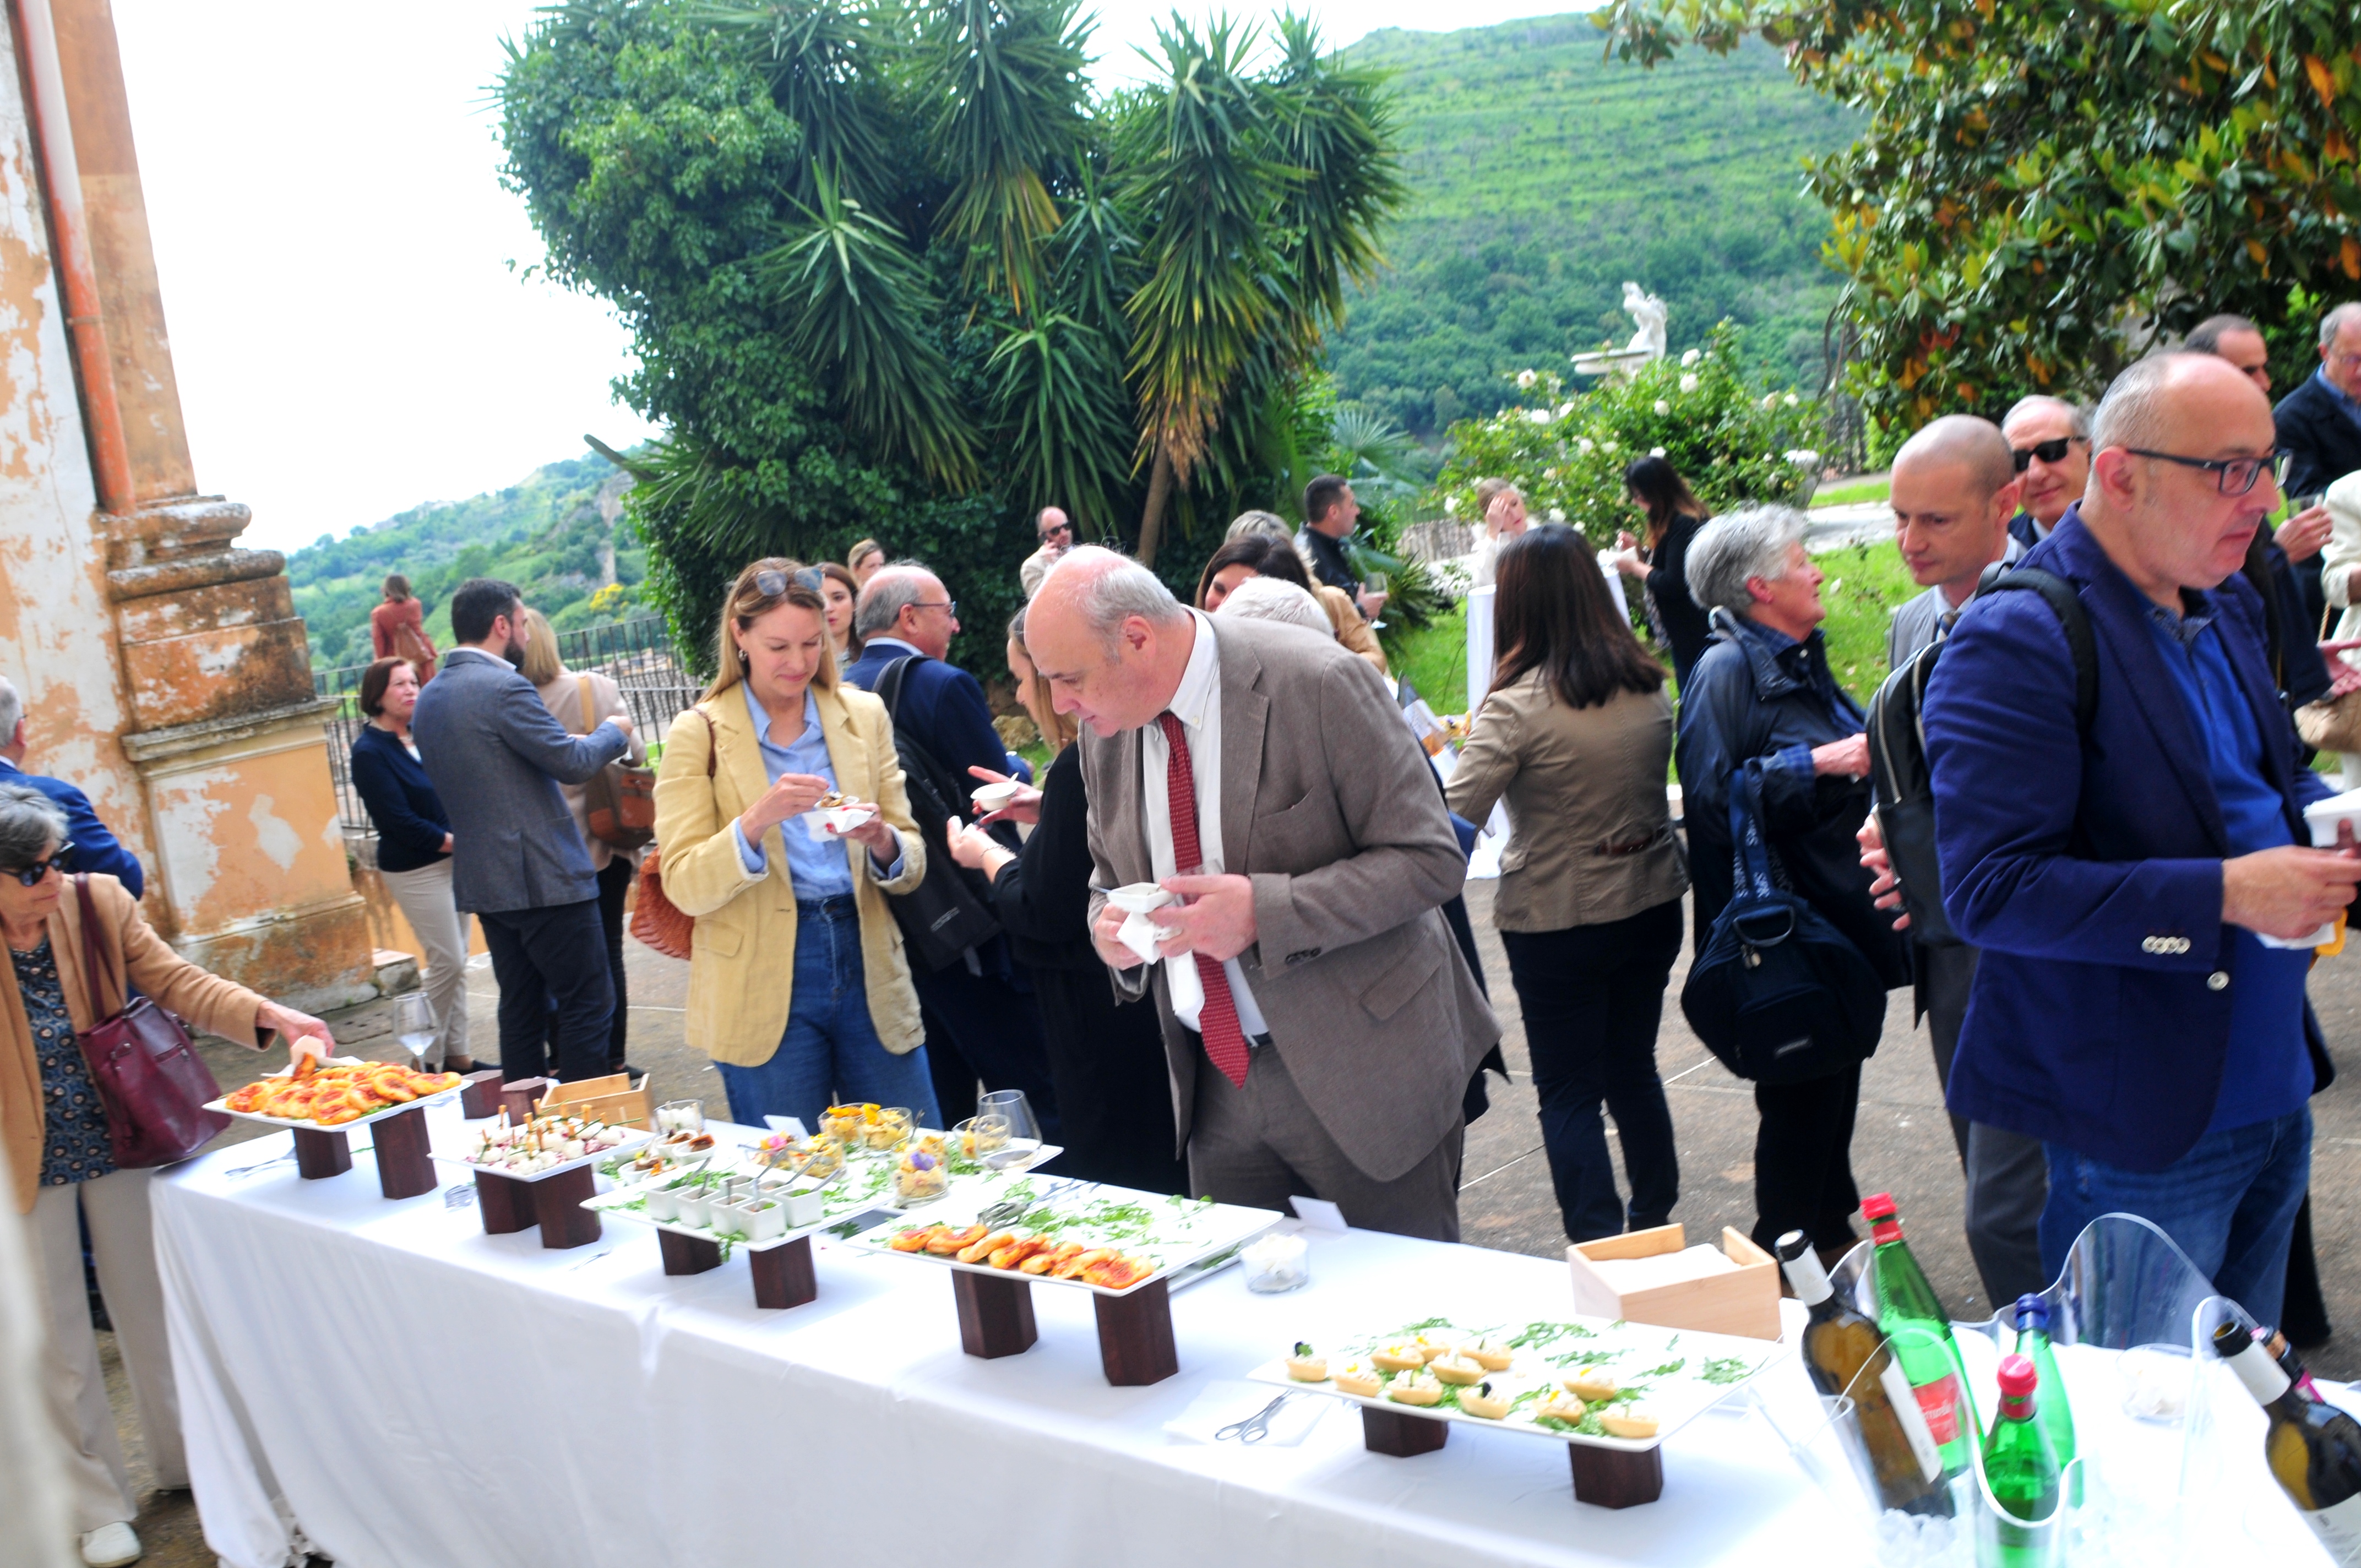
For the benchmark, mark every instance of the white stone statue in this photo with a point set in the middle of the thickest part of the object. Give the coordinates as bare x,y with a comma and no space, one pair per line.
1648,312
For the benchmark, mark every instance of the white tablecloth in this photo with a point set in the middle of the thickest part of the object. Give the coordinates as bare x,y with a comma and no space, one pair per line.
416,1394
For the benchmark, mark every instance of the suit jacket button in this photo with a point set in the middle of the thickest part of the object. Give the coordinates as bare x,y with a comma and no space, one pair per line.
2218,980
2149,944
1297,958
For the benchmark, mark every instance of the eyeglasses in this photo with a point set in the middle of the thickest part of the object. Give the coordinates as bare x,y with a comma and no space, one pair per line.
2233,475
771,583
1056,529
30,876
2047,451
949,607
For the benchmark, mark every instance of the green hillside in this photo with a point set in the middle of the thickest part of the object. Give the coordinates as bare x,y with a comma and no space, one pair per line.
552,533
1544,175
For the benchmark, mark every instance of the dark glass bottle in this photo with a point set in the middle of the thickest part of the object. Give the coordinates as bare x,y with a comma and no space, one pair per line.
1845,1355
2313,1449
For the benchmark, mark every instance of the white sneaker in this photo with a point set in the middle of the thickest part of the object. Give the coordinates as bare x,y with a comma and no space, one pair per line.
109,1546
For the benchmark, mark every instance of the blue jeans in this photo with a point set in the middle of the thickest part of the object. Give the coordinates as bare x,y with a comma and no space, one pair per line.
831,1052
2229,1203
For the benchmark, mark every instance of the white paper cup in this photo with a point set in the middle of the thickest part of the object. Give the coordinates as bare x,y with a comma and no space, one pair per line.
991,797
836,821
1139,897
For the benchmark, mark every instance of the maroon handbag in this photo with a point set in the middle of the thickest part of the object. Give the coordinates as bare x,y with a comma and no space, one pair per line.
152,1082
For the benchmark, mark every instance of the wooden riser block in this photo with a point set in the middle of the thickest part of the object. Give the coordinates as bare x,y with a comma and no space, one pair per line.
320,1152
783,1275
521,1094
480,1094
1405,1437
1609,1478
688,1254
404,1169
1136,1336
995,1316
557,1206
505,1204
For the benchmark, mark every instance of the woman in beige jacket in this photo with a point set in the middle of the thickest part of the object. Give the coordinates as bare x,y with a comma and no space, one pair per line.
797,988
61,1163
1578,735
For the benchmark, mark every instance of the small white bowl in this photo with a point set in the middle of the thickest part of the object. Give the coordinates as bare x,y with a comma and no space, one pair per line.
1139,897
762,1219
991,797
836,821
802,1208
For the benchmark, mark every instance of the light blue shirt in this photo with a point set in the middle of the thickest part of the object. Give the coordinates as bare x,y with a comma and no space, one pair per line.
816,868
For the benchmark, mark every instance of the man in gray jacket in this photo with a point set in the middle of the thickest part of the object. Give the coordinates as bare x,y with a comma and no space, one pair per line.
1320,1025
518,862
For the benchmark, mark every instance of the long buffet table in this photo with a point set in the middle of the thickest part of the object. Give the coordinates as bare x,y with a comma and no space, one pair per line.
406,1391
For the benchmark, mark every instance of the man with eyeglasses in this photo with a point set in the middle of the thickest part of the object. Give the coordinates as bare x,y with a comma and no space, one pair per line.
2319,423
2140,886
1057,536
2051,440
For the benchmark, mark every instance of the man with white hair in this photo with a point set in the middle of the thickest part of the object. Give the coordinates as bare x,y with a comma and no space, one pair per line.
2319,423
95,847
2120,875
1275,599
1057,536
1320,1023
2051,440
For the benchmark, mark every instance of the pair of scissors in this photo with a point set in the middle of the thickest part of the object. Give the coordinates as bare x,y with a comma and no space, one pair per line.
1256,1427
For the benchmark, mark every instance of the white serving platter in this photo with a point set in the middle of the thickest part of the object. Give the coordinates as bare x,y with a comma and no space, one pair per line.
307,1125
626,1148
1639,1355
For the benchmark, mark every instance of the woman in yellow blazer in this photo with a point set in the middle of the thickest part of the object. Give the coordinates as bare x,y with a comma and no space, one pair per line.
797,988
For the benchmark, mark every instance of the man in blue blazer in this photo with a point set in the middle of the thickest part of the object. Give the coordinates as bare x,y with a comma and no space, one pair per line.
2120,882
518,862
981,1020
95,847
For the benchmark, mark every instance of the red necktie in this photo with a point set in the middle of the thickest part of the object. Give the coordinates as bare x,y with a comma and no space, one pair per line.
1217,1021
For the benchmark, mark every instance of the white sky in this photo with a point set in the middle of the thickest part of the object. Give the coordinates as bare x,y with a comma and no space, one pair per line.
343,274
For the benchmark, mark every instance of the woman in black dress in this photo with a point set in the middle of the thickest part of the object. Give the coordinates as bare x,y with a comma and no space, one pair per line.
1114,1092
1674,515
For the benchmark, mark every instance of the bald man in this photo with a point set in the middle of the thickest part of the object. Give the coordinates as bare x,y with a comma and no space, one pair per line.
2122,877
1057,536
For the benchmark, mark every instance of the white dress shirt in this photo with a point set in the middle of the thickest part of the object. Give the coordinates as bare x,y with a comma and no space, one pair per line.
1198,706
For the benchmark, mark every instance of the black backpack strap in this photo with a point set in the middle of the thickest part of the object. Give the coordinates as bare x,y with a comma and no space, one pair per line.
2067,606
888,689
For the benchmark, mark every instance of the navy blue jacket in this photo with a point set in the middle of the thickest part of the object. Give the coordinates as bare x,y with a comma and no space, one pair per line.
402,801
2089,869
2325,443
94,849
944,707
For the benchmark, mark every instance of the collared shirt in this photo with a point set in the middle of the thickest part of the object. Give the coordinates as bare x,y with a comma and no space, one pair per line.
1807,664
2268,1073
816,867
881,641
1197,704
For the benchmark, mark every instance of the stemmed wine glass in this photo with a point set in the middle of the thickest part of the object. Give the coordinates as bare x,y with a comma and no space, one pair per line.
414,1026
1024,1145
1379,583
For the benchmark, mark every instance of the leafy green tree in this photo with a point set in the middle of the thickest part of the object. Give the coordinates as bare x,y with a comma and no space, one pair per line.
892,271
2046,187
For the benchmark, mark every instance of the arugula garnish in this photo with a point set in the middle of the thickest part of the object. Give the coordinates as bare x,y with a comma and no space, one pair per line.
1725,1369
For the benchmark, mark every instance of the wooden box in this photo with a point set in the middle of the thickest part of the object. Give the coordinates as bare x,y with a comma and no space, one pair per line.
614,1099
1740,1301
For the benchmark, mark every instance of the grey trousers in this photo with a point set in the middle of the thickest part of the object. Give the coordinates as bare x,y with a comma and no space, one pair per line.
2007,1173
1260,1144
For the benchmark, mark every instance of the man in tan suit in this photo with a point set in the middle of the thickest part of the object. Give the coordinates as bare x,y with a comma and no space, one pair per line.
1319,1021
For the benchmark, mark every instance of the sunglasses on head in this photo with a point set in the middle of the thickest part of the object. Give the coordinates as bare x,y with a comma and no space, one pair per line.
771,583
30,876
2047,451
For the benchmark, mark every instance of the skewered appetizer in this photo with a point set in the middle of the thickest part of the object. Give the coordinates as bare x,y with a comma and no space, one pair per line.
331,1094
1306,1367
542,1144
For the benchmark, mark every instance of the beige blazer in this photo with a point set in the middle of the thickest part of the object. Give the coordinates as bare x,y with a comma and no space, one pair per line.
128,948
741,966
1592,838
1351,630
1330,808
563,698
2342,553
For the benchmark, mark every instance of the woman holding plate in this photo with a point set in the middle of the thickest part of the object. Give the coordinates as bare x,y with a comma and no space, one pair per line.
773,737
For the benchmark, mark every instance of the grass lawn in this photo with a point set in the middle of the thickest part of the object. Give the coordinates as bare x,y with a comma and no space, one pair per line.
1854,492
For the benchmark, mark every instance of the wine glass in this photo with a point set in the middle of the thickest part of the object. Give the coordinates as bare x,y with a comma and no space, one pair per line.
414,1026
681,1116
1379,583
1024,1143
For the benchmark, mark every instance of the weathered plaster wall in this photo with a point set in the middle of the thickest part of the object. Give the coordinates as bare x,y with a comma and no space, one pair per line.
57,626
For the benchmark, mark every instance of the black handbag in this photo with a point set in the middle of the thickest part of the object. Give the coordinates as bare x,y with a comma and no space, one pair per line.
946,915
1779,993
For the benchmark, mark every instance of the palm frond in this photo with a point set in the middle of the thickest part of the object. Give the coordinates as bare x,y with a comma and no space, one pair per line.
827,61
1059,409
1335,129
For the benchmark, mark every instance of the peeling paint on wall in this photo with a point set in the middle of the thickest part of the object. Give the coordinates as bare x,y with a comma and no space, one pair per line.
273,837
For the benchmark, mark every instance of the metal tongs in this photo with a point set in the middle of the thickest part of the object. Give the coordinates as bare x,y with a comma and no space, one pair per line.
1007,1209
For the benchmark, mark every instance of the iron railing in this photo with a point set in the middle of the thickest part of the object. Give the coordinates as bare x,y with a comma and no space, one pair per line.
637,656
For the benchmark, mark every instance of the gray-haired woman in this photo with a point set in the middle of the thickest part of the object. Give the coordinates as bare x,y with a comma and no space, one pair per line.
59,1163
1760,700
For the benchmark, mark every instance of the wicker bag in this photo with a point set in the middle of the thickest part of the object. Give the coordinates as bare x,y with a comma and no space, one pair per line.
655,919
2333,724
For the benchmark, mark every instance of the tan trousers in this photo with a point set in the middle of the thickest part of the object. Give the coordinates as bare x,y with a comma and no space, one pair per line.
424,895
125,1249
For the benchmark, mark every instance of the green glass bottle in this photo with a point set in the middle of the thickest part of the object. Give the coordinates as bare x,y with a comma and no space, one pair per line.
2022,1469
2057,1415
1912,1319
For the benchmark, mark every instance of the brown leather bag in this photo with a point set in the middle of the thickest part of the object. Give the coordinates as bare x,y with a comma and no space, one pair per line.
619,802
151,1081
655,919
2334,723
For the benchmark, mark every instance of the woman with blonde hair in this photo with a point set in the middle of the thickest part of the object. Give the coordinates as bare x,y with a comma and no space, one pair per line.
1503,506
862,560
581,702
774,734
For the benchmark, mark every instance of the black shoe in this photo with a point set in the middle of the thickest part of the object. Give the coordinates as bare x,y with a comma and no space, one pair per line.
637,1072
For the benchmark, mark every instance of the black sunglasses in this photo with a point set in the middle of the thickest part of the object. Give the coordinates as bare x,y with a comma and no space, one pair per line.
1057,528
30,876
771,583
2047,451
2231,476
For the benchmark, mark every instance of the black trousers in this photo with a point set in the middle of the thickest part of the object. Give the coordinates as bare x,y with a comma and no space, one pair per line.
544,956
995,1030
614,885
1593,997
1803,1159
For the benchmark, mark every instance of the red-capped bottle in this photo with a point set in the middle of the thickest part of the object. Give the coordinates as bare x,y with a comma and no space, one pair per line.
1911,1318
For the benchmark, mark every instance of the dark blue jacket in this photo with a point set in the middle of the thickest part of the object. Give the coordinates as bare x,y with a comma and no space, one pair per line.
94,849
944,707
402,801
2323,440
2089,869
